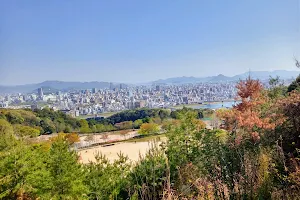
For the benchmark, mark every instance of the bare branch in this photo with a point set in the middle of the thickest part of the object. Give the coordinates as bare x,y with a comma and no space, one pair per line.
297,63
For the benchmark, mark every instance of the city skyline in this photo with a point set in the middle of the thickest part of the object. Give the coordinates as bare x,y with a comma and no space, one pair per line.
134,42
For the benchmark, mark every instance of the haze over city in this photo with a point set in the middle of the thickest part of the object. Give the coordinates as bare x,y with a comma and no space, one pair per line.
140,41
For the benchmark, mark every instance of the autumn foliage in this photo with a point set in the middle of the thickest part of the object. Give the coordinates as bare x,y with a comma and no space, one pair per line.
249,117
149,128
272,125
71,138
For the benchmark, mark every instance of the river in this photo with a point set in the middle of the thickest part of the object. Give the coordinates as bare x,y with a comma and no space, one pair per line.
214,105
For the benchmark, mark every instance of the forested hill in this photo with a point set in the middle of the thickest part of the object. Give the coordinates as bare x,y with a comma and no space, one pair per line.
47,121
43,121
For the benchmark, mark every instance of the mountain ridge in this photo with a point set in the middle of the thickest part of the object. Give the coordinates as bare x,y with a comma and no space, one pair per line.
76,85
262,75
58,85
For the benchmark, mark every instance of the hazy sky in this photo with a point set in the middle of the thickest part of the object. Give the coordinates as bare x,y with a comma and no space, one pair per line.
144,40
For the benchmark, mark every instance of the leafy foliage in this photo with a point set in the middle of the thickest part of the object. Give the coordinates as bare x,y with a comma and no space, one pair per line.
149,128
46,120
66,173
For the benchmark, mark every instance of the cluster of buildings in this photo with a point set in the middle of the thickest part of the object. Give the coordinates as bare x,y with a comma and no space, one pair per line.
95,101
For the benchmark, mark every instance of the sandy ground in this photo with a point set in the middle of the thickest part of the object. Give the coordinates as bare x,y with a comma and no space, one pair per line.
97,136
111,136
131,149
99,139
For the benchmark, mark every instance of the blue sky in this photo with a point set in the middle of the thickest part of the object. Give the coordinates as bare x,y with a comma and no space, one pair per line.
140,40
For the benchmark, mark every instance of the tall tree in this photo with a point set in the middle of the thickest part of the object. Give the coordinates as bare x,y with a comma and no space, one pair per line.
84,126
66,172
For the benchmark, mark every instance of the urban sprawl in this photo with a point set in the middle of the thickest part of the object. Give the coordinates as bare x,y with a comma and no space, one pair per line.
96,101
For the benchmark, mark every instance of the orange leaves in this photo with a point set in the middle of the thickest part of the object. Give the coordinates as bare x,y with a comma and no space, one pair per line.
248,113
199,124
228,118
251,119
254,115
72,138
255,137
149,128
223,113
249,88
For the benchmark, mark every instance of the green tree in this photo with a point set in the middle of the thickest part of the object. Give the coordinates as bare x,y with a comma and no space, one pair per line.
163,114
66,172
48,126
150,173
277,89
107,180
6,135
68,129
137,123
100,128
59,125
24,173
84,126
14,117
26,131
295,85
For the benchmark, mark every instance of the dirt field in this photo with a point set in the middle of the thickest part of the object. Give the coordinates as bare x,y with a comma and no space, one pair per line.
131,149
98,138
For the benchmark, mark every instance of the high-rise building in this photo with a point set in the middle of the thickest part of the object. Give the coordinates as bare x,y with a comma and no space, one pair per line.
94,90
130,94
185,100
166,98
40,92
157,88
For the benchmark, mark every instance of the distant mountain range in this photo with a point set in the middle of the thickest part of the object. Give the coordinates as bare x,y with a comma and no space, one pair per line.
262,75
53,86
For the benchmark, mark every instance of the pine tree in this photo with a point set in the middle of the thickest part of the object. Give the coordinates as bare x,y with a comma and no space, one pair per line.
66,172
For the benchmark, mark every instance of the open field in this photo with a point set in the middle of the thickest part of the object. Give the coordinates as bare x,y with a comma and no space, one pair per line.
86,141
131,149
107,114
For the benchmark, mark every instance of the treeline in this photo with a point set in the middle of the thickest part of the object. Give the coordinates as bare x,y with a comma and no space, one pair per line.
135,118
145,113
47,121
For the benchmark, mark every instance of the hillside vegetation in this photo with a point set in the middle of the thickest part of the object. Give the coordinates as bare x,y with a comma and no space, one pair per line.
254,156
47,121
